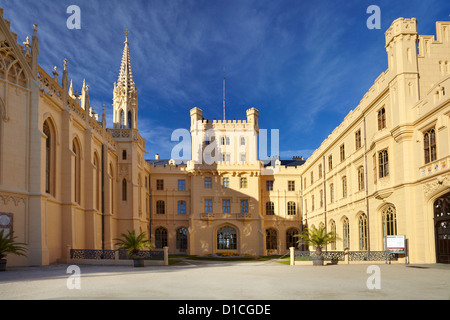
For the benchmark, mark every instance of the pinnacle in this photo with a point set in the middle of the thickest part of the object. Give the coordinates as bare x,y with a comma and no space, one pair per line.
126,75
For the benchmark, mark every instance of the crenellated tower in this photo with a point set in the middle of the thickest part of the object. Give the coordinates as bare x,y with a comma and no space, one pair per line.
125,98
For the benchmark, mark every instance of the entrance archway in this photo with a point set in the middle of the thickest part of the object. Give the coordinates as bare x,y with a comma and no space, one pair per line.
442,228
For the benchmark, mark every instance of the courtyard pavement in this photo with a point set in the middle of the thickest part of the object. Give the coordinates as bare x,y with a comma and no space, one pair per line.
219,280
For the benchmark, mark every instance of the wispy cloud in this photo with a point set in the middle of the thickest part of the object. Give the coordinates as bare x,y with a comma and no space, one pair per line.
304,65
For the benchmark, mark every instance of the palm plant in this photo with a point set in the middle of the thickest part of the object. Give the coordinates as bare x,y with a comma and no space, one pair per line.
134,243
317,237
8,245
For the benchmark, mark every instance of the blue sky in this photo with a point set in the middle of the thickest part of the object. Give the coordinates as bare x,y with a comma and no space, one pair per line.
303,64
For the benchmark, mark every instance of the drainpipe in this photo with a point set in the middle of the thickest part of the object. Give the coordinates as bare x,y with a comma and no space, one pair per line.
366,187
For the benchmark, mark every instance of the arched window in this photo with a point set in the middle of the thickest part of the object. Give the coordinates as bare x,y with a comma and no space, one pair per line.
291,208
226,238
111,188
140,194
182,240
291,240
130,120
270,208
96,179
76,170
160,207
389,221
124,190
441,228
160,238
346,233
49,157
122,119
383,163
363,233
429,145
271,239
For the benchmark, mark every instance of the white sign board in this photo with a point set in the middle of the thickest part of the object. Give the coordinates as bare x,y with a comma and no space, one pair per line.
395,244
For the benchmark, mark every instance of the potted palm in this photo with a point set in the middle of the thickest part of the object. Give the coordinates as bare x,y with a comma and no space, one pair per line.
8,245
318,238
134,244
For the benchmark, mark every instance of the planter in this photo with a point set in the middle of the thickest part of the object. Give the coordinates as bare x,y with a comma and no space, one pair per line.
318,260
138,262
2,265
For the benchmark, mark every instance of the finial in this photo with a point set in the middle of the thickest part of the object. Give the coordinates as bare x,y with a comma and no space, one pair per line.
35,26
126,36
27,43
55,73
65,64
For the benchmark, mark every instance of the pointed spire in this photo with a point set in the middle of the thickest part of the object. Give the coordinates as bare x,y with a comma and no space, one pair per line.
125,80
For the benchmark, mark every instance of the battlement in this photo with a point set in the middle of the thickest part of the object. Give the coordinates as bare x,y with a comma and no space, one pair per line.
198,121
401,26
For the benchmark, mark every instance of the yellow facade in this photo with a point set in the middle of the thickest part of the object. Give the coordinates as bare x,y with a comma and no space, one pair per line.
66,180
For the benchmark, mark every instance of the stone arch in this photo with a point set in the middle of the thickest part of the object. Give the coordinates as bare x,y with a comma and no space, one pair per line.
227,237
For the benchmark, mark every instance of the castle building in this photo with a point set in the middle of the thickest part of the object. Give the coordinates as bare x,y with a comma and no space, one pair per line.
69,181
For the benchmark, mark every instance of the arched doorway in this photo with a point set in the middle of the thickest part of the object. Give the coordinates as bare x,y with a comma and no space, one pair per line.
226,238
442,228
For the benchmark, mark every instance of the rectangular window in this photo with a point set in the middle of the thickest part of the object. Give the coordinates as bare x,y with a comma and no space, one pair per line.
160,207
331,193
291,185
181,207
291,208
344,187
330,162
382,119
225,182
360,179
320,171
312,203
244,206
358,139
243,183
342,152
208,182
312,177
242,157
321,198
242,141
159,184
208,206
269,185
270,208
181,185
225,206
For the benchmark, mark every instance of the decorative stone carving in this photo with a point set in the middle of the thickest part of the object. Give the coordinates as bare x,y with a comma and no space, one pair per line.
438,184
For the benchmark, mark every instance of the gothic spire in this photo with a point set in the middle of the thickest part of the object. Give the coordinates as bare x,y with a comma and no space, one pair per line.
125,80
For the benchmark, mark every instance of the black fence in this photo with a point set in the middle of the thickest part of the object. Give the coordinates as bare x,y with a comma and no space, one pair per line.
352,255
77,254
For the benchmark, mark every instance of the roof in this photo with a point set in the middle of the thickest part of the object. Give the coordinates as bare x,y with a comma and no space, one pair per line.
286,163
